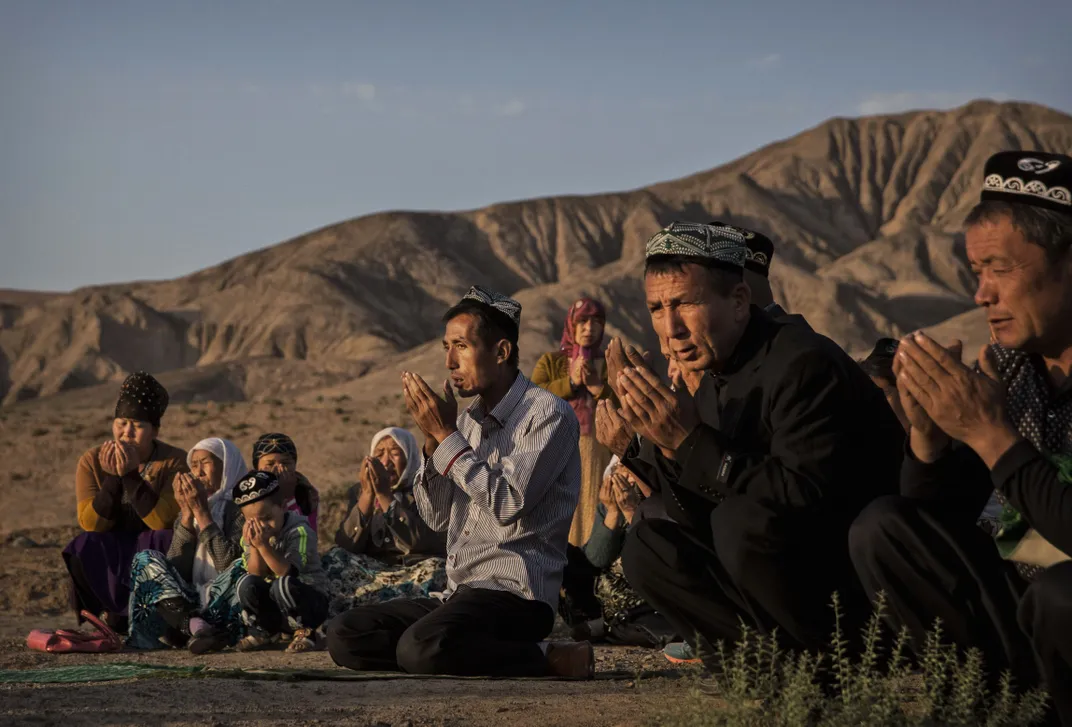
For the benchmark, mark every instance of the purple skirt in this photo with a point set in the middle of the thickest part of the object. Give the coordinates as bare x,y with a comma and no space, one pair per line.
99,567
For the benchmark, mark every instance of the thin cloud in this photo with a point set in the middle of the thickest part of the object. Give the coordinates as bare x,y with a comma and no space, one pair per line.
890,103
360,91
513,107
771,60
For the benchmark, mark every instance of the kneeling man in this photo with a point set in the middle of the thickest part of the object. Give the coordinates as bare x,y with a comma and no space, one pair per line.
502,480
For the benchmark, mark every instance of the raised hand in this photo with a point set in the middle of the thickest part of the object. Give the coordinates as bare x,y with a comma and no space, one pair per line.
126,458
579,372
106,457
625,495
616,363
181,489
658,414
436,416
376,477
259,536
612,431
964,404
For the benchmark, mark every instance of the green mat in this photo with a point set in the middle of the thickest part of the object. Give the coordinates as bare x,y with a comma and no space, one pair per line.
111,672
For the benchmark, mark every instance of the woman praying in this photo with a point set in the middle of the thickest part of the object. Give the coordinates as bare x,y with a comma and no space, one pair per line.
385,549
278,454
577,373
125,501
177,600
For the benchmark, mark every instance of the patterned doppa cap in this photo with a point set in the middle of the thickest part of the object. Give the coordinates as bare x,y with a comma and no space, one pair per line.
502,303
1037,178
722,244
254,487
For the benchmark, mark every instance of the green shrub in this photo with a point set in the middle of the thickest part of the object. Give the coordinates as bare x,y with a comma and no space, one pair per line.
759,685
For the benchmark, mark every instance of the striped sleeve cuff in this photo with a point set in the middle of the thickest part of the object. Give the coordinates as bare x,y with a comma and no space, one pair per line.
447,453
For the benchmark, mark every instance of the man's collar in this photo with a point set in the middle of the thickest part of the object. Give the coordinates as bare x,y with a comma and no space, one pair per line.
505,407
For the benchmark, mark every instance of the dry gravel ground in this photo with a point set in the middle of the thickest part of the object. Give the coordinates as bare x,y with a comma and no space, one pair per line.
32,595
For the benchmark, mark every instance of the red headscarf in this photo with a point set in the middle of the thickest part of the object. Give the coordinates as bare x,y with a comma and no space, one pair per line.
585,308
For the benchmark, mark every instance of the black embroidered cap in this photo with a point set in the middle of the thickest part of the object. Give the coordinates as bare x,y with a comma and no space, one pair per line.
1037,178
254,487
274,443
760,249
143,398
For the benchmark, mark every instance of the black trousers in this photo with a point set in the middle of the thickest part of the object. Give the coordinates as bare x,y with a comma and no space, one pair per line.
771,569
268,605
934,566
476,632
579,602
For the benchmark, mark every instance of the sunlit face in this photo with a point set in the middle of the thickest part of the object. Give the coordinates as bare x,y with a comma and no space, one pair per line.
1028,299
473,365
700,326
393,457
269,514
136,432
277,462
207,468
588,332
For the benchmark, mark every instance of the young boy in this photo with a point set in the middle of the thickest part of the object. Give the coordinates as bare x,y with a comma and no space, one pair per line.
284,586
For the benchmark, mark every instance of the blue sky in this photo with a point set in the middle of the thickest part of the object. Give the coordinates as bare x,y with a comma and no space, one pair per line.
151,138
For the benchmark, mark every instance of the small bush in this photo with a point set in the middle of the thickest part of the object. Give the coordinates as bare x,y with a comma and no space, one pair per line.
760,685
39,432
339,411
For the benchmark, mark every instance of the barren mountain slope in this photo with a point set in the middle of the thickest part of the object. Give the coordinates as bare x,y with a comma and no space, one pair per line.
865,213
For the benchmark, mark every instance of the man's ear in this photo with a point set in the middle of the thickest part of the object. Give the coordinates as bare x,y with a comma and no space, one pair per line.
503,351
742,299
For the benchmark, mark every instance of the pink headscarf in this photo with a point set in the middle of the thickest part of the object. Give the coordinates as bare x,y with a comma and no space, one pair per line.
583,404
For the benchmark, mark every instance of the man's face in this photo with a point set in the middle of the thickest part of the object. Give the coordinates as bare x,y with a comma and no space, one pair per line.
473,365
701,327
1028,299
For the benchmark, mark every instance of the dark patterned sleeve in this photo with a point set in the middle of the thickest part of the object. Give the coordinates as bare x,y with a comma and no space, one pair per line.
183,547
224,544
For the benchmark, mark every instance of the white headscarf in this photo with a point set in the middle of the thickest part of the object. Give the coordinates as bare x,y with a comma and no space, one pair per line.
234,467
409,445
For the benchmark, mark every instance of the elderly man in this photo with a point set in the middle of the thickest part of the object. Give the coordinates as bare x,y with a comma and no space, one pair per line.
1006,427
501,480
762,470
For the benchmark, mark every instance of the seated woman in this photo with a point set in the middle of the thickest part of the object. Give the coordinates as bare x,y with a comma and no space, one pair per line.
626,619
125,502
385,549
278,454
181,597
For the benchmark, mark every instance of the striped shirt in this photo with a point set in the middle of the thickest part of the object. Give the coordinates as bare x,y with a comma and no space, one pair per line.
504,487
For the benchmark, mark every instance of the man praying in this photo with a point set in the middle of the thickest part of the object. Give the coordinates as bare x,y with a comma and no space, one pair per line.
501,479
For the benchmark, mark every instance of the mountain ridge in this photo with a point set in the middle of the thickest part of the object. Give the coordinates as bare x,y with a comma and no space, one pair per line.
865,214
